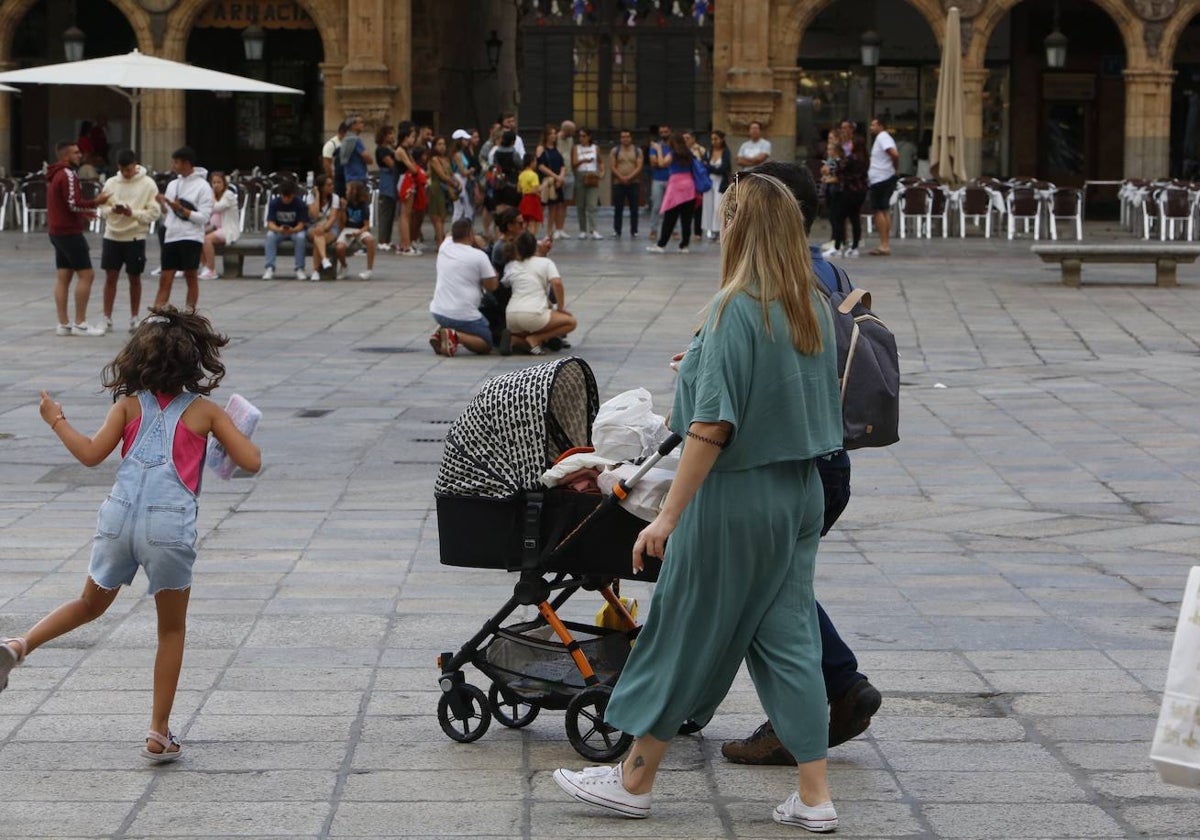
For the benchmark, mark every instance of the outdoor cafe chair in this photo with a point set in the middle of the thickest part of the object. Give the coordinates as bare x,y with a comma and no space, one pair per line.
6,191
1175,207
915,203
975,203
1024,205
1066,203
939,208
33,202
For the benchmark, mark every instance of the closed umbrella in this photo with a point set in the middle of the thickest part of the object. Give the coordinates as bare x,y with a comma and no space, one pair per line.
946,154
133,73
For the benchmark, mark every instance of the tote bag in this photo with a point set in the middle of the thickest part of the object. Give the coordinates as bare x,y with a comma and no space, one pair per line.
1176,748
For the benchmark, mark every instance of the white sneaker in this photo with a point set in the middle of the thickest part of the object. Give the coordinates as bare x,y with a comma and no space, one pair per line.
828,252
327,263
597,235
84,328
156,271
383,246
315,277
106,324
301,274
852,253
269,274
819,818
684,251
602,787
342,272
63,329
134,323
654,249
560,234
365,275
582,235
207,273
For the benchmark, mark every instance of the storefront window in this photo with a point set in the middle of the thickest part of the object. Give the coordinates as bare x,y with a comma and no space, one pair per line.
585,101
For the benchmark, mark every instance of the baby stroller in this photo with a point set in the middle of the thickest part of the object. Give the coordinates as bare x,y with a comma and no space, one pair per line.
494,513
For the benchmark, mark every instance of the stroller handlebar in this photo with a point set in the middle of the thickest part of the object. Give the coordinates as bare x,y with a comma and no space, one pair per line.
664,449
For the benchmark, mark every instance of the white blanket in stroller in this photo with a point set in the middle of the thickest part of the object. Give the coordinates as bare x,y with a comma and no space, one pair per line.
646,499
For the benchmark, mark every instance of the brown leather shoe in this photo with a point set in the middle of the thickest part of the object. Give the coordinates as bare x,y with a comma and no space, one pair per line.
850,714
763,747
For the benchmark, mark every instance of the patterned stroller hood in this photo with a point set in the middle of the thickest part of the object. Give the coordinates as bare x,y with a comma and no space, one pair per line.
516,427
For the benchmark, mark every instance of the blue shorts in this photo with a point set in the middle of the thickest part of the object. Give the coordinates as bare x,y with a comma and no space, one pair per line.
478,326
161,539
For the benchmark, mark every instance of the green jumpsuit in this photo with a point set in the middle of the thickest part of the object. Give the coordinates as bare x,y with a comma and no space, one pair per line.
737,579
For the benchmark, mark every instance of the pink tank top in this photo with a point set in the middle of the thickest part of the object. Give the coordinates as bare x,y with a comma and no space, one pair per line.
187,452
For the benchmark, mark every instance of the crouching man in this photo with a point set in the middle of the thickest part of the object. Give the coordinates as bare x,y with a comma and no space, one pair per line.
464,273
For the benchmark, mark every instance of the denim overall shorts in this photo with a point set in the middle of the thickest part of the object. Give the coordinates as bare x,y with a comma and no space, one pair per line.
149,518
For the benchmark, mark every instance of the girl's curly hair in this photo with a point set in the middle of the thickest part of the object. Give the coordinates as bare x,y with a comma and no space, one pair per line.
171,352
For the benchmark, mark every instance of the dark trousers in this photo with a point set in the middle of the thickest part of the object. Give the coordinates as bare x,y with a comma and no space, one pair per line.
846,207
492,307
681,213
387,219
698,214
625,194
839,666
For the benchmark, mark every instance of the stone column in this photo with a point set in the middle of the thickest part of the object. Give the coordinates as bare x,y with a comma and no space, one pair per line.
974,80
1148,122
365,87
783,128
748,92
163,124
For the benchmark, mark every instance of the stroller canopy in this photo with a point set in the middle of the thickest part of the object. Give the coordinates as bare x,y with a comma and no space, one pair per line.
516,427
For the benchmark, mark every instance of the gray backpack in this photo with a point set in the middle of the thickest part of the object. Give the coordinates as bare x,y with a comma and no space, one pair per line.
868,368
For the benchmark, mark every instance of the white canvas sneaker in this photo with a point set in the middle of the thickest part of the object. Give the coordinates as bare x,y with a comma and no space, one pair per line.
84,328
602,787
817,818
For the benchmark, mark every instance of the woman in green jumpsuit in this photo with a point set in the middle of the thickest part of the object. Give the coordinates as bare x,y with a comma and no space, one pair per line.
757,399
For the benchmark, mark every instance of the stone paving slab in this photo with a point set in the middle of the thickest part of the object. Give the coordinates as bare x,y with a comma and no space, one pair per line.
1009,573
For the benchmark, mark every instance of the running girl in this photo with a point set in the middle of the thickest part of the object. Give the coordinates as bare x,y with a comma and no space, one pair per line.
149,518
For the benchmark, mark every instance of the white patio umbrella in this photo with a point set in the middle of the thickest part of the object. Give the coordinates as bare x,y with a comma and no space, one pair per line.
946,156
133,73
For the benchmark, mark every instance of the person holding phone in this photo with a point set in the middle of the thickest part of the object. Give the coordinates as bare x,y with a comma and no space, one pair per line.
132,206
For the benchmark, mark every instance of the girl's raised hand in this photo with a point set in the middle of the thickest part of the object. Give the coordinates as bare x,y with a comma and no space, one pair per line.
49,409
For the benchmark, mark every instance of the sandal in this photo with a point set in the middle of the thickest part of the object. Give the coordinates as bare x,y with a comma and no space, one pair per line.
879,252
167,755
10,659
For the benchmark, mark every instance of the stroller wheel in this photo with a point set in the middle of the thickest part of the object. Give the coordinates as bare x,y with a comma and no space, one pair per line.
591,737
471,720
509,709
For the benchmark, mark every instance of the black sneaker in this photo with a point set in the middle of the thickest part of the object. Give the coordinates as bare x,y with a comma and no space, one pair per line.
505,342
555,344
850,714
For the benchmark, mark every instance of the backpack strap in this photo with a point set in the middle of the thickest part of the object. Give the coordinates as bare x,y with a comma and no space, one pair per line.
844,284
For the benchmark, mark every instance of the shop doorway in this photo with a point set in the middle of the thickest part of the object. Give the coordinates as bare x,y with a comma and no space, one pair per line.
243,131
1185,105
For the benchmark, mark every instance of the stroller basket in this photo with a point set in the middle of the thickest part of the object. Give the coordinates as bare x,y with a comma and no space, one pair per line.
533,664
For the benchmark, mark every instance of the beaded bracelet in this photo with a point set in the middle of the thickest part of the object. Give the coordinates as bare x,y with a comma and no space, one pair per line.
720,444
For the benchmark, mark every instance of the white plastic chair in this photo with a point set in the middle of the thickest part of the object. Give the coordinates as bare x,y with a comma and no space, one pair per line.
33,203
915,203
975,203
1066,203
1024,206
1175,207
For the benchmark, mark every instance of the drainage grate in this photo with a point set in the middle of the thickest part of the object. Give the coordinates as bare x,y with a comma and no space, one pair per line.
387,349
428,440
313,412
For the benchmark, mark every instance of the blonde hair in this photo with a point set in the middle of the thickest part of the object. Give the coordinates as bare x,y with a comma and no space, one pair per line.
764,252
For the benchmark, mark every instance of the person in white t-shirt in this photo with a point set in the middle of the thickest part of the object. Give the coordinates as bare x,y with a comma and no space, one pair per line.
754,151
881,181
530,320
464,273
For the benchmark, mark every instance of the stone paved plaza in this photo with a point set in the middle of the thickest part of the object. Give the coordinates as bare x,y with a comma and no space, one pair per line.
1009,574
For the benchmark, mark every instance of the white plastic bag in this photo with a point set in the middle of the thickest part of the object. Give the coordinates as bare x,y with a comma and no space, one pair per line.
1176,748
627,428
245,416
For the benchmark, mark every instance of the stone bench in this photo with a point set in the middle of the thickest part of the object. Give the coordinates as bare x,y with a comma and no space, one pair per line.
233,255
1165,256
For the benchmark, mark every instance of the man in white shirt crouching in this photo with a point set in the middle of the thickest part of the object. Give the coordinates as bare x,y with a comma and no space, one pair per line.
464,273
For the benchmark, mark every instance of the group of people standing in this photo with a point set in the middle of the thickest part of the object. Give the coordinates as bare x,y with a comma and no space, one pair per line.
849,174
